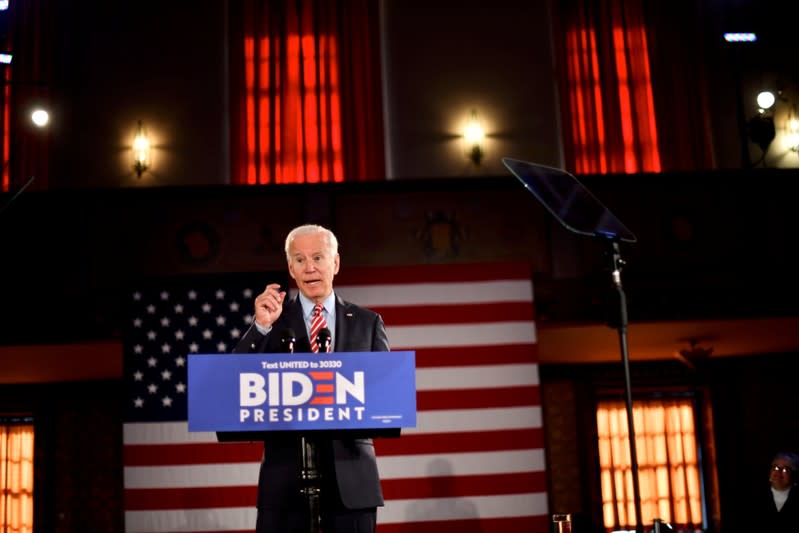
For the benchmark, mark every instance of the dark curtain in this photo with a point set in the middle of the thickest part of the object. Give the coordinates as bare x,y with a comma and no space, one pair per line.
305,91
632,94
676,34
27,29
362,91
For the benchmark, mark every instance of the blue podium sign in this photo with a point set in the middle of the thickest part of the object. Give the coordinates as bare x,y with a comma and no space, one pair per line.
304,391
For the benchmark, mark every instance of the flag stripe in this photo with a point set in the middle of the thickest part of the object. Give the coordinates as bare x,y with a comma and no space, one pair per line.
191,520
455,313
190,498
488,397
528,511
148,433
510,332
471,463
423,294
438,274
191,475
430,487
192,453
460,486
473,355
476,377
459,420
473,524
497,506
470,441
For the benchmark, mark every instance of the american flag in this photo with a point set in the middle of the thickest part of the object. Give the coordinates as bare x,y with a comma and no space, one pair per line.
474,462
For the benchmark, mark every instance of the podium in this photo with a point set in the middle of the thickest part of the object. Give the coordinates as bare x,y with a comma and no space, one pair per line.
309,396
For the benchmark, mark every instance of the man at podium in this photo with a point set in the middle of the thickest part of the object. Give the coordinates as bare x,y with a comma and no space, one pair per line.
316,320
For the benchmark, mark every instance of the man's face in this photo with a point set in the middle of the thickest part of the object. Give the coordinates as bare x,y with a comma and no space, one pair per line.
312,265
781,476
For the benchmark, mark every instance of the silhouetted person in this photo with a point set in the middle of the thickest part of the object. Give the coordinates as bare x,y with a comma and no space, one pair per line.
776,508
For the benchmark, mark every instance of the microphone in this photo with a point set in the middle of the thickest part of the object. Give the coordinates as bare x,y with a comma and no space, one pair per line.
323,339
287,340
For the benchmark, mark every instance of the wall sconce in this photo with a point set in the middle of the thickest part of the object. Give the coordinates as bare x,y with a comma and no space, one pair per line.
765,100
760,127
40,117
141,151
473,137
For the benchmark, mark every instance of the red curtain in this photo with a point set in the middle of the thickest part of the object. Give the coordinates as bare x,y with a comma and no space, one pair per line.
606,91
24,149
5,108
5,124
633,96
676,32
305,91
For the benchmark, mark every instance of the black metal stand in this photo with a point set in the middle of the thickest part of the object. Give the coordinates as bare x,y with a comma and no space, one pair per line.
311,482
579,211
616,264
310,474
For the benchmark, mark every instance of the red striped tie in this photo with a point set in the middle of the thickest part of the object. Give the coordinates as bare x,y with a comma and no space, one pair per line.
317,323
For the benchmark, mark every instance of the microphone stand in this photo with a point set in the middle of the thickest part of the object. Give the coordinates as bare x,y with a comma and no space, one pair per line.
580,212
310,478
620,321
310,473
309,467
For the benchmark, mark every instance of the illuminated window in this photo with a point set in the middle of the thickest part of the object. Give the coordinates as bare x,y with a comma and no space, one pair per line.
669,471
16,475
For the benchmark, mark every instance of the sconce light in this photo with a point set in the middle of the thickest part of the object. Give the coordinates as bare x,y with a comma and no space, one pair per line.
760,127
141,151
40,117
473,137
765,100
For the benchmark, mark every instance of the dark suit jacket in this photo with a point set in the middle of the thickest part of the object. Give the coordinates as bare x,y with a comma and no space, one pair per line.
766,518
357,330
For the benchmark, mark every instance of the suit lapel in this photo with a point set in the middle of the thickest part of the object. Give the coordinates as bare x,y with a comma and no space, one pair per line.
343,323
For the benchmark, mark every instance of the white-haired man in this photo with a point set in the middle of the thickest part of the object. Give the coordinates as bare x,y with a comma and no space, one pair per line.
350,486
